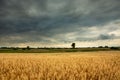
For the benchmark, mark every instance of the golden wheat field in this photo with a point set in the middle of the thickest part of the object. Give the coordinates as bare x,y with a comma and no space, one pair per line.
60,66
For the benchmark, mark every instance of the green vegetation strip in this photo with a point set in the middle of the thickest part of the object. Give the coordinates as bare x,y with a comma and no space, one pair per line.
54,50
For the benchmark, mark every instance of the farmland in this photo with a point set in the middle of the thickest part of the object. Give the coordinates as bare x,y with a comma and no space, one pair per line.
97,65
55,50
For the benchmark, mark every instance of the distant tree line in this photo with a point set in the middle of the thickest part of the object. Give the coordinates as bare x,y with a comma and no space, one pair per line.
16,48
114,48
103,46
73,46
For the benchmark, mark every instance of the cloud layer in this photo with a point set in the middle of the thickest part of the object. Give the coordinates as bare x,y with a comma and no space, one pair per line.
56,22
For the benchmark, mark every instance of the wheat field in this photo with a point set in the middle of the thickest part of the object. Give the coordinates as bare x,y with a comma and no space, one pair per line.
60,66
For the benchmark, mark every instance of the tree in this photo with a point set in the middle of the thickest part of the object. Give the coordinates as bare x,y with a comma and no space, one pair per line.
106,47
115,48
73,45
28,47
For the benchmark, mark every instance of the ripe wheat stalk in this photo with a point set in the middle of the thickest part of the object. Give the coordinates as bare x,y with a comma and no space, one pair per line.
73,66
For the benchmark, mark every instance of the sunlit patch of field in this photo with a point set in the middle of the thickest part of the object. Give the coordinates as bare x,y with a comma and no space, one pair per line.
61,66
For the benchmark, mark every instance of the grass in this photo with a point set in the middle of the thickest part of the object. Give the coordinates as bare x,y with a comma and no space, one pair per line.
101,65
54,50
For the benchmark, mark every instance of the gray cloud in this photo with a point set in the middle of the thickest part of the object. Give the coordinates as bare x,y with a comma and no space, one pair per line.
106,36
55,20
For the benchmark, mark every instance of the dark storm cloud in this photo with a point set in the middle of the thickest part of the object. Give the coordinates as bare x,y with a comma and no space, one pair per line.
50,18
106,36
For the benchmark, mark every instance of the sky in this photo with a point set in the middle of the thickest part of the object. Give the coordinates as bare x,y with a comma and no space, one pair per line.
58,23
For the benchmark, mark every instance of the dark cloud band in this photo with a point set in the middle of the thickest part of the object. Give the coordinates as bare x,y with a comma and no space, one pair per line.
46,20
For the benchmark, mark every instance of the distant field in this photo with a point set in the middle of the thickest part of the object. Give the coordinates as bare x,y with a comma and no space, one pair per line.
54,50
101,65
